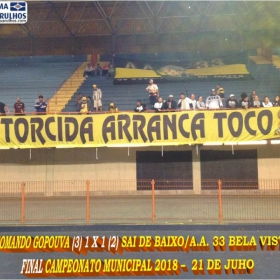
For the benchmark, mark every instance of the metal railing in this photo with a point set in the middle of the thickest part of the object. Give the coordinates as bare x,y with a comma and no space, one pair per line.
137,201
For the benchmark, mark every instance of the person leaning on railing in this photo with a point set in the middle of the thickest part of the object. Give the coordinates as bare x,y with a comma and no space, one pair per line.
112,108
214,101
4,109
266,102
41,105
140,107
19,107
232,103
276,102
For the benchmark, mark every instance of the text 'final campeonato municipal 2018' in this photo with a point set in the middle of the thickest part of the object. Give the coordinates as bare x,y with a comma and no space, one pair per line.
13,12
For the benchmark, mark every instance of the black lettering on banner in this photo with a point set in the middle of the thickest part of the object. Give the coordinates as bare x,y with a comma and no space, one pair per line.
68,121
37,131
109,129
124,128
139,128
181,127
86,130
169,124
60,131
248,116
7,122
220,117
156,128
239,117
195,126
18,122
47,128
268,114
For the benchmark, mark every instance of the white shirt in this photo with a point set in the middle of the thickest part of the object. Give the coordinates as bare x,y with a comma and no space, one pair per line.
269,104
158,105
214,102
185,104
191,102
152,89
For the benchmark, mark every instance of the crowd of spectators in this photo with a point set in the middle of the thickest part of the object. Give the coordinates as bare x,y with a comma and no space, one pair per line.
105,71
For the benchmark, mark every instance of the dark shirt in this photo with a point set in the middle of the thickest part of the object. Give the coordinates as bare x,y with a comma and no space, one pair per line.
19,107
173,104
40,107
2,108
231,103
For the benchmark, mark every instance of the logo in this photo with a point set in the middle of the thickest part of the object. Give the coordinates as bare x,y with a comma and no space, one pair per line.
13,12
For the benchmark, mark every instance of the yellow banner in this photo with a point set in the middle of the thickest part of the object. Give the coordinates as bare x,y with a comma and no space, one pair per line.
139,129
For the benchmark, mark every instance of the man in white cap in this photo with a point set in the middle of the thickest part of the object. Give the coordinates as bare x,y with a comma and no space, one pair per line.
97,96
153,91
231,103
214,101
170,103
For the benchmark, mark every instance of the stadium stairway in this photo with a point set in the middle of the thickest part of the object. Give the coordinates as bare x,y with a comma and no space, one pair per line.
67,90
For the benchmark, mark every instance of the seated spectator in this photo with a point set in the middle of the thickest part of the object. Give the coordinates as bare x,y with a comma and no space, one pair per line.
256,102
245,102
183,103
140,107
252,98
98,70
276,102
41,105
200,103
78,101
242,97
266,102
111,72
84,106
214,101
191,101
4,109
112,108
170,103
88,71
90,104
19,107
159,105
231,103
105,70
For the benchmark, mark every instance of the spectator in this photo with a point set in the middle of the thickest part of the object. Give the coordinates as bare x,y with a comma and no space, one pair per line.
97,96
111,72
153,91
220,92
245,102
191,101
84,106
112,108
159,105
252,98
105,70
78,101
183,104
98,70
232,103
200,103
41,105
266,102
214,101
88,71
4,109
19,107
242,97
90,104
256,102
276,102
170,103
140,107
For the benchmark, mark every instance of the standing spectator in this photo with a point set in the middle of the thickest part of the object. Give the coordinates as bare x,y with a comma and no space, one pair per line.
153,91
90,104
98,70
183,103
4,109
88,71
266,102
84,106
140,107
19,107
256,102
159,105
242,97
111,72
191,101
112,108
78,101
200,103
276,102
214,101
170,103
220,91
252,98
231,103
97,96
41,105
245,102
